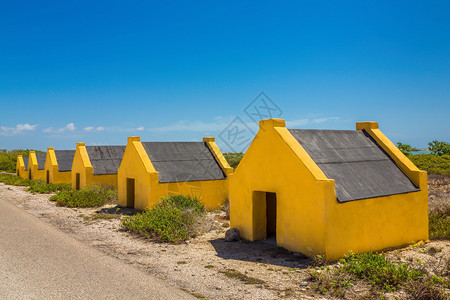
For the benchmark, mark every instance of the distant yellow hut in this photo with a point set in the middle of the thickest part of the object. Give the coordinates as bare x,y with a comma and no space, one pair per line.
36,165
151,170
96,165
22,166
58,166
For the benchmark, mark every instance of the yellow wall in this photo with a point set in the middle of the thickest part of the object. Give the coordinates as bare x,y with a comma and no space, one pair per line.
82,165
20,167
148,191
382,222
51,166
33,169
309,218
273,163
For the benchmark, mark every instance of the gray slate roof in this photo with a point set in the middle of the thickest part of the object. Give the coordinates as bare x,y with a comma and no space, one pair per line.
41,157
25,162
64,159
360,168
105,159
183,161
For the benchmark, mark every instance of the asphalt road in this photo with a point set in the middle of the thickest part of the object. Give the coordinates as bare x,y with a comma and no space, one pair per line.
37,261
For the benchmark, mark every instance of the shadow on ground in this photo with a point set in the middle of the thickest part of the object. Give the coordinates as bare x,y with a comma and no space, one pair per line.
264,251
117,210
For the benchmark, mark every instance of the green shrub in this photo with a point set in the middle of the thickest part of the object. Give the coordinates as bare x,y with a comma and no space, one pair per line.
405,148
34,186
173,220
39,186
433,164
439,226
233,158
439,148
15,180
379,271
93,196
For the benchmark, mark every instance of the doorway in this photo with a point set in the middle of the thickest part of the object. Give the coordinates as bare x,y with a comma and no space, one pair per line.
130,192
264,215
47,177
77,181
29,174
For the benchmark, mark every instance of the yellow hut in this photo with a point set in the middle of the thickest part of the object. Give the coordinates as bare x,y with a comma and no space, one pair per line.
36,165
22,166
58,165
328,192
151,170
96,165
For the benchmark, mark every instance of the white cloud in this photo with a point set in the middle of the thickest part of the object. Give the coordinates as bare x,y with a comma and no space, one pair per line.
69,127
140,128
323,120
197,126
221,123
92,128
295,123
19,129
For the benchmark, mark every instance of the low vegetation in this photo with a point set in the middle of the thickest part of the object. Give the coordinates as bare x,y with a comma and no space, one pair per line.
93,196
233,158
232,273
173,220
432,163
382,274
439,226
34,186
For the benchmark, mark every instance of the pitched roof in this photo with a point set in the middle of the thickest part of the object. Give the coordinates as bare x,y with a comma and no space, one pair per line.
41,157
183,161
105,159
64,159
25,162
360,168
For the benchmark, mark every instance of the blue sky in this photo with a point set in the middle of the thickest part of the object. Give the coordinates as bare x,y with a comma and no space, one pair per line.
100,71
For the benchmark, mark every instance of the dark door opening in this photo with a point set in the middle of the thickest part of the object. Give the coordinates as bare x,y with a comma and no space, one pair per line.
29,174
130,192
264,215
77,181
47,177
17,172
271,214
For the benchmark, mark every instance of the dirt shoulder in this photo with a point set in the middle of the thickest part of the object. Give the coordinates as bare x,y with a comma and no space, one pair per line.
207,266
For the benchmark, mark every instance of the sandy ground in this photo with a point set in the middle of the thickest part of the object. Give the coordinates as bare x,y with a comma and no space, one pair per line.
207,266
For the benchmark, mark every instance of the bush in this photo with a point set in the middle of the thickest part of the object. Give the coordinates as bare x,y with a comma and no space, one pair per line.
433,164
173,220
39,186
439,226
379,271
405,148
233,158
15,180
93,196
34,186
439,148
